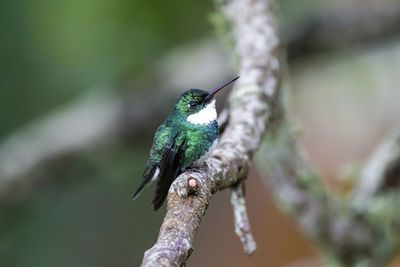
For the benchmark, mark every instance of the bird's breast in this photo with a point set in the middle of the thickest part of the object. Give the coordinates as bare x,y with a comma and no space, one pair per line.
200,142
207,153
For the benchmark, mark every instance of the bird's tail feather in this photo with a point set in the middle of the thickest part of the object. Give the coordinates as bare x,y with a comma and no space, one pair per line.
146,179
142,185
162,189
168,172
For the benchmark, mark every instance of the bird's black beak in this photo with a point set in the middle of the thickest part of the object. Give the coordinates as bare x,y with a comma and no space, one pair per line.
216,90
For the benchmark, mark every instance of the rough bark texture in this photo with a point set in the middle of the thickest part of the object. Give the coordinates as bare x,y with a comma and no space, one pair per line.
249,111
242,225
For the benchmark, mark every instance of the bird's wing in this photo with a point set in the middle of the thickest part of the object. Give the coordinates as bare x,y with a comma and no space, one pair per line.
156,154
170,164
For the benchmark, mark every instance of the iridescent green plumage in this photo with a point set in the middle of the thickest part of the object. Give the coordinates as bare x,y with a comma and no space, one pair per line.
185,136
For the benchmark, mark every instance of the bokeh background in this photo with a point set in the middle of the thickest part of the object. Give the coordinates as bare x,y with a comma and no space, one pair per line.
112,69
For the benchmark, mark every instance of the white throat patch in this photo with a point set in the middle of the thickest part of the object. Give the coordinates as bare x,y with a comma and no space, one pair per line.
204,116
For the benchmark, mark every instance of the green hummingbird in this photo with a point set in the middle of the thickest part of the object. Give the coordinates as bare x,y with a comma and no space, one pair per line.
183,140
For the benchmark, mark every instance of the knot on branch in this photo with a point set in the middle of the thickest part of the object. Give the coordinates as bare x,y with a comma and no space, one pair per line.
190,183
193,185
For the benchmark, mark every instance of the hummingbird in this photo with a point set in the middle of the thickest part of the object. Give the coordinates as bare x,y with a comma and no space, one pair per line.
183,141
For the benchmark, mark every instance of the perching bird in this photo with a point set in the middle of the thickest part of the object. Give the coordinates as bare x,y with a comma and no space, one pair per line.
183,141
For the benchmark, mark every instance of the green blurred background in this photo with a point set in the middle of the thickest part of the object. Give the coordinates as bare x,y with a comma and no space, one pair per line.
78,211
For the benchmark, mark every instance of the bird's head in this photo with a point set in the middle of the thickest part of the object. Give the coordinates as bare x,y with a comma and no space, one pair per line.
198,106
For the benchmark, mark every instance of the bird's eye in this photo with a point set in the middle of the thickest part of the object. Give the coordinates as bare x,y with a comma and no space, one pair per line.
192,104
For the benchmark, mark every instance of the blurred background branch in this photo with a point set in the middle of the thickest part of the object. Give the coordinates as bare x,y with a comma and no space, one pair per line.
350,232
355,24
381,173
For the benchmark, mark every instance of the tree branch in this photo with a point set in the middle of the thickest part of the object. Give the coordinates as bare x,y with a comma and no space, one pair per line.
46,139
242,225
249,111
350,232
381,173
299,190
